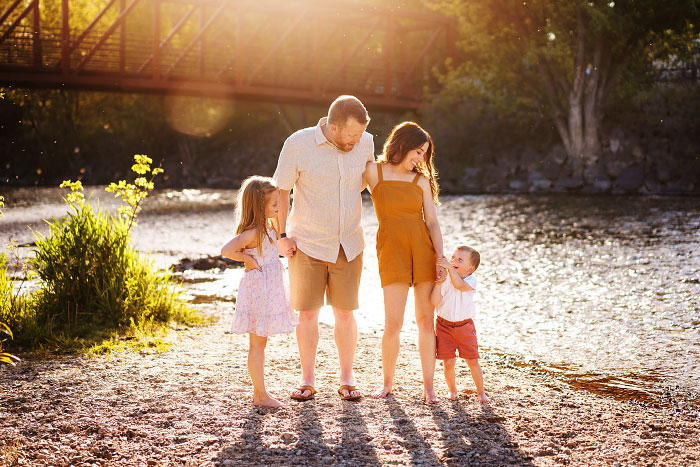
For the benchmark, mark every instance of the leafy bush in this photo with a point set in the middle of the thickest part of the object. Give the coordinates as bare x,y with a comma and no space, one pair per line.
6,357
92,282
7,294
14,306
91,276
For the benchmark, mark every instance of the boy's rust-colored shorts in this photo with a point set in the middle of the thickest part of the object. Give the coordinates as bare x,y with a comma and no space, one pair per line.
452,337
310,279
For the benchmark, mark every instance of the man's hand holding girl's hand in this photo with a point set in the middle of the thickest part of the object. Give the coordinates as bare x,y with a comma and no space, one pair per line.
286,247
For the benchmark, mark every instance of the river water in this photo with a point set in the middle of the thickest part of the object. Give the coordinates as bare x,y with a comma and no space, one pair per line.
602,292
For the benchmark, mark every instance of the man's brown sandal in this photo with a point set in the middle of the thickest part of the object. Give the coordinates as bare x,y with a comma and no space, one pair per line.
349,389
301,397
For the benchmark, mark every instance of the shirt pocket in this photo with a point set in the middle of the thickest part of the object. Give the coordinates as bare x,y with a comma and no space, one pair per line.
319,174
352,173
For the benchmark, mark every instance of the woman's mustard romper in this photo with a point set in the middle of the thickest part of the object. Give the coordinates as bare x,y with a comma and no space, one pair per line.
404,248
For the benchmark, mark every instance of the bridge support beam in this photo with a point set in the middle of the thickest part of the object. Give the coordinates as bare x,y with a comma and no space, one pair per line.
305,52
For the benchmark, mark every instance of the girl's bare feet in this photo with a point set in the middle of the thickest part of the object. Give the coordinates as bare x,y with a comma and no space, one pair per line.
483,398
381,392
452,395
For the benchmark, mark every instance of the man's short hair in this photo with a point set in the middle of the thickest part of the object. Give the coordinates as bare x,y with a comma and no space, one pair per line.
474,256
345,107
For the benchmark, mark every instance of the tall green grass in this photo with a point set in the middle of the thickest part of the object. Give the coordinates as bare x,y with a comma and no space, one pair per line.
92,278
91,281
7,299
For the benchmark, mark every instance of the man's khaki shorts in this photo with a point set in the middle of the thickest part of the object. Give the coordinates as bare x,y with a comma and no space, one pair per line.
311,278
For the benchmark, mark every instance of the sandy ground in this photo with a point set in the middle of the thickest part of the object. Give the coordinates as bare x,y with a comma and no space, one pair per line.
192,406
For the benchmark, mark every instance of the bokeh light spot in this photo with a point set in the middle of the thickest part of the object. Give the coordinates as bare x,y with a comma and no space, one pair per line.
197,116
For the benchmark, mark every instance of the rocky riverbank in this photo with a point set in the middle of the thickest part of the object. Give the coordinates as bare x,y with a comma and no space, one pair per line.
622,168
192,406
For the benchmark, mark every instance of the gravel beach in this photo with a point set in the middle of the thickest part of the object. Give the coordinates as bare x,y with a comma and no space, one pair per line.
193,406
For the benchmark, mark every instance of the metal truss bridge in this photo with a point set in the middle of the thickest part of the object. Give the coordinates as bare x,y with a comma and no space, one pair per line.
275,51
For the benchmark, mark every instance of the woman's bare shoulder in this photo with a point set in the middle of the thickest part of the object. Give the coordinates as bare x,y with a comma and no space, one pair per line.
423,182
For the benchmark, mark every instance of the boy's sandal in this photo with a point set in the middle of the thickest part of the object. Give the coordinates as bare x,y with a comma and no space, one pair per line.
301,397
349,389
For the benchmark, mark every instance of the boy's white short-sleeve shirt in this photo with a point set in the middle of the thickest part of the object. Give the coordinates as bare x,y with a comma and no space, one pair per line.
457,305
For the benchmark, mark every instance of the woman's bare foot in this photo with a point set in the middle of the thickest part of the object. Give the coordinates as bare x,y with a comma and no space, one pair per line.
381,392
483,398
267,401
430,397
452,395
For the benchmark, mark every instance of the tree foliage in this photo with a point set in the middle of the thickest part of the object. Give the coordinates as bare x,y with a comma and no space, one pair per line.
559,59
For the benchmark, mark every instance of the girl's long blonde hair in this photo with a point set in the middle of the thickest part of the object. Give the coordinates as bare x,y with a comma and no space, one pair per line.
405,137
250,208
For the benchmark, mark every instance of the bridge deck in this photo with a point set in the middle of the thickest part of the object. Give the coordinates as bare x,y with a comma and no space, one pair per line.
300,52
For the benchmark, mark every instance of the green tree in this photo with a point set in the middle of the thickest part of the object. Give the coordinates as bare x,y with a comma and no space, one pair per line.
559,58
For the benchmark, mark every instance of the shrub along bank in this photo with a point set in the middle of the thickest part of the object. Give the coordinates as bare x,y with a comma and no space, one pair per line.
92,284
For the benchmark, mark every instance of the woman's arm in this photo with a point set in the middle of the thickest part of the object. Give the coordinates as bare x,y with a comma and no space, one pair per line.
430,215
369,176
234,249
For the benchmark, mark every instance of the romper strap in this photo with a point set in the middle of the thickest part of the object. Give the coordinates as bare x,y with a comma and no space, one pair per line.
379,172
415,179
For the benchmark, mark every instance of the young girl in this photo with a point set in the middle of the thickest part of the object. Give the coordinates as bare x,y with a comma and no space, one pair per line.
404,192
262,306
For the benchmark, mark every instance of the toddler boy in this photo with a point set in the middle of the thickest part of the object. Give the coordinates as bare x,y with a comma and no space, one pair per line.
454,328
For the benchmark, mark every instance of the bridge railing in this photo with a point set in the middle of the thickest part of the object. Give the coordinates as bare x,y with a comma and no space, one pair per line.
303,51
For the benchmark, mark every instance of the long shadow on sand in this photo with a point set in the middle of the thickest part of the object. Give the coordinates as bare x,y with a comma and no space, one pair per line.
412,440
310,432
481,440
354,445
251,438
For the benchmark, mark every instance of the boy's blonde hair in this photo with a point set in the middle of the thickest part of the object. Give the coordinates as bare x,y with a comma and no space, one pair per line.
474,256
250,207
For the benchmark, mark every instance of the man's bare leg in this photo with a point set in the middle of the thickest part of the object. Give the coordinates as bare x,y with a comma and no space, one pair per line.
345,332
307,340
395,296
425,319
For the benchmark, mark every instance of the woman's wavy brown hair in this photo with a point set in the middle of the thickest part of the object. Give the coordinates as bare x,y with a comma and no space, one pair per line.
405,137
252,197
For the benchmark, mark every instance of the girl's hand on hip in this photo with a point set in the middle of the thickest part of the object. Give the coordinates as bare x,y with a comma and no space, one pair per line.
251,264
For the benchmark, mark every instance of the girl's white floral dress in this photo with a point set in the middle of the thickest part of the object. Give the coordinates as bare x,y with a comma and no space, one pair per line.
262,305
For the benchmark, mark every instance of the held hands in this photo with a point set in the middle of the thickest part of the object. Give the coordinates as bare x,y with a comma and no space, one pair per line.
251,264
286,247
441,270
444,263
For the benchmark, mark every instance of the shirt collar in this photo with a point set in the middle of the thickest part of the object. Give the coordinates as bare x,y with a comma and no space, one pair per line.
320,137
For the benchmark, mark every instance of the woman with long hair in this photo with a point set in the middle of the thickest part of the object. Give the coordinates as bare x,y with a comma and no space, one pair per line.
404,188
